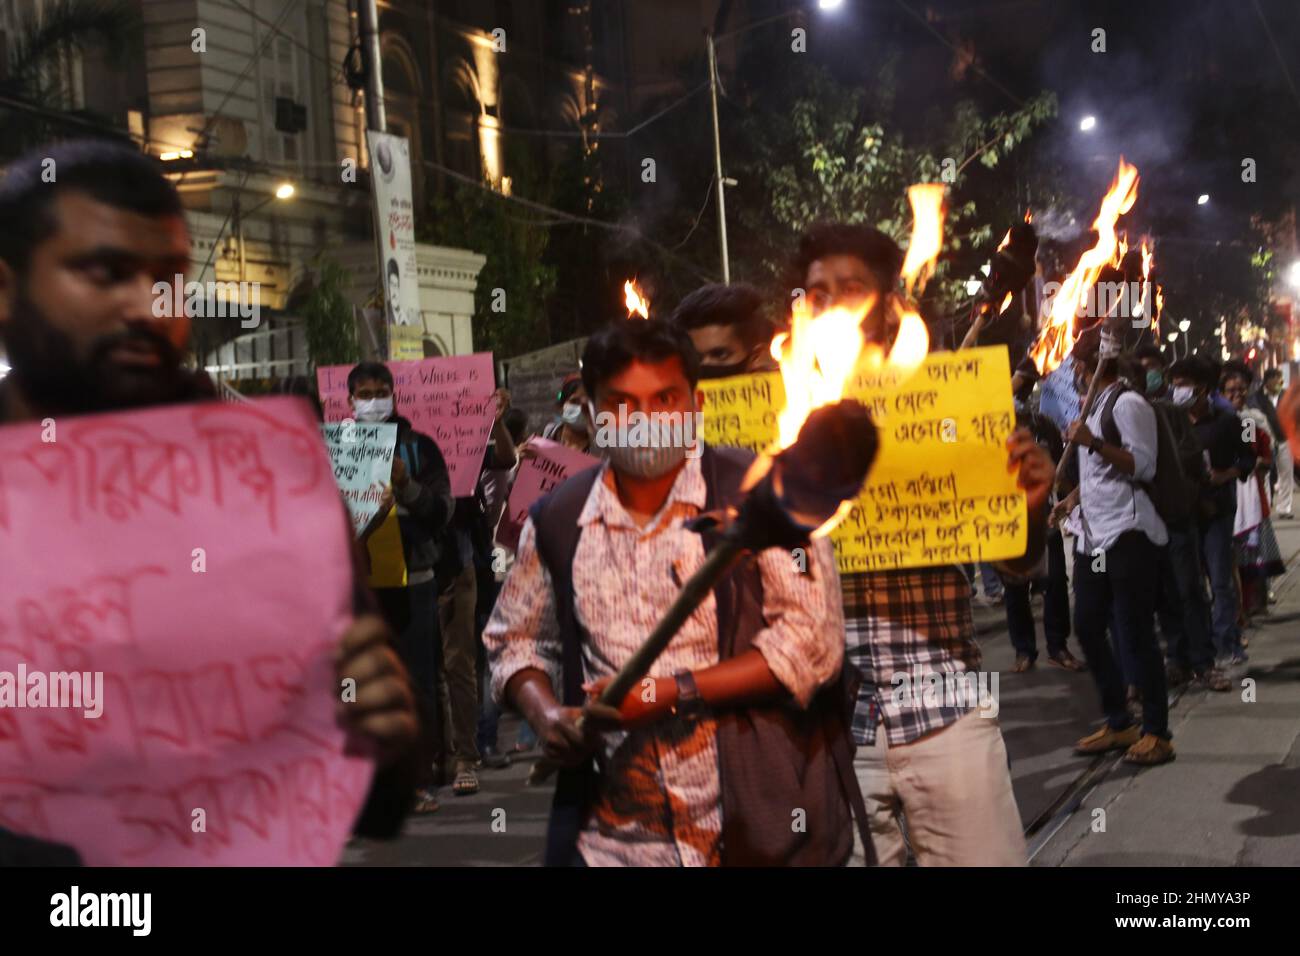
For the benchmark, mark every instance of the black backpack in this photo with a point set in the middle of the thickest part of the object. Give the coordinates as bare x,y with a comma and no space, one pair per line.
1175,488
771,758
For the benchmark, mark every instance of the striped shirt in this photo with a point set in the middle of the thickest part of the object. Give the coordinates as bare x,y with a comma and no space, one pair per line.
660,800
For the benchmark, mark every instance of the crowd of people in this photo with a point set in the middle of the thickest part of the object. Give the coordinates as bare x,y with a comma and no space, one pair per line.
768,732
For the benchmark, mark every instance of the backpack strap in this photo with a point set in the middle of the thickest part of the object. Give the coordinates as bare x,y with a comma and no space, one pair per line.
556,534
1109,430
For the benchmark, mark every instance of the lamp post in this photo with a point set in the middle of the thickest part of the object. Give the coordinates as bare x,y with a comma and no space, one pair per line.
718,179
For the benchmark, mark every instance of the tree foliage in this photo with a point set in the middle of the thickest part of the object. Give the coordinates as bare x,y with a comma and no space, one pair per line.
827,153
330,326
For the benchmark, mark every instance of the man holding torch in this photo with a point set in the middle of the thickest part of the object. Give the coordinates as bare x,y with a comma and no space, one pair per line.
732,749
943,768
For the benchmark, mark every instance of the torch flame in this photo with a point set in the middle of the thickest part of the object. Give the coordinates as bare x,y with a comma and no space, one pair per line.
927,234
820,354
1059,334
1029,216
635,302
1006,241
1006,302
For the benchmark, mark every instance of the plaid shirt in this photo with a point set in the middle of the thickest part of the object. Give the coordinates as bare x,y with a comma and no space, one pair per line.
906,623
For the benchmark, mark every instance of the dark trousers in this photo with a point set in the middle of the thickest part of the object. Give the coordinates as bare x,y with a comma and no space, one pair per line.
489,714
412,613
1056,606
1122,587
1184,607
1216,552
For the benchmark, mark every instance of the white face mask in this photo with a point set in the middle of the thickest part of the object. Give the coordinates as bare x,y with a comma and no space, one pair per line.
1184,396
373,410
571,415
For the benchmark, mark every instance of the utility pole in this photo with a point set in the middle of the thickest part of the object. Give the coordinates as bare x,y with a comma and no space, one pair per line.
368,22
717,162
376,119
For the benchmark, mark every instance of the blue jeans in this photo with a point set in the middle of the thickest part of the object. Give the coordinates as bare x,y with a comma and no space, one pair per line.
1216,551
1184,609
1123,593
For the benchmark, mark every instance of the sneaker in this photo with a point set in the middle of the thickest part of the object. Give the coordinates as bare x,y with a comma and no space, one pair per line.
1176,675
494,759
1107,739
1067,661
1213,679
1285,516
1149,751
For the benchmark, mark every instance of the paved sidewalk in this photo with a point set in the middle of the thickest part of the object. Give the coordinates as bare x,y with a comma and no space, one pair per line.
1232,798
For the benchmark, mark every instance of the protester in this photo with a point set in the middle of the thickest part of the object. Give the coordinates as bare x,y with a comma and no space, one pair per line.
1123,536
935,776
1258,555
696,768
1192,380
420,495
1183,608
572,427
1153,363
726,325
1055,586
1265,399
494,485
79,258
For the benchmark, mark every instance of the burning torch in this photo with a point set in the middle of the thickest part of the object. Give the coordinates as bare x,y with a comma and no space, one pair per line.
1009,272
825,446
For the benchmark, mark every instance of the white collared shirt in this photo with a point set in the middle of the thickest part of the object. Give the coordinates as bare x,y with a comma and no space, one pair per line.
1112,502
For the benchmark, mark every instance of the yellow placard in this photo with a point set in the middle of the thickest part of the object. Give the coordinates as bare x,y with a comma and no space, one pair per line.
387,563
939,491
405,342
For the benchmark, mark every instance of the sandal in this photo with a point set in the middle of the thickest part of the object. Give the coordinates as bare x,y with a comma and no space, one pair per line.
1023,664
466,782
425,801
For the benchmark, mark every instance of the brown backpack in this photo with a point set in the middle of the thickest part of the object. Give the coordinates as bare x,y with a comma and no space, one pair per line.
774,759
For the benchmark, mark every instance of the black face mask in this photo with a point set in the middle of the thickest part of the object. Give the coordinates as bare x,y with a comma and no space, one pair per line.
53,378
725,371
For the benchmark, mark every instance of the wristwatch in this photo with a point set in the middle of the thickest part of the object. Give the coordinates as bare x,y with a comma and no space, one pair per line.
689,703
1095,444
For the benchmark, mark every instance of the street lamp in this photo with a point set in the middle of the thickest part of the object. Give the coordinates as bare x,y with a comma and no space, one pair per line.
1184,325
829,4
1293,276
1202,199
284,191
1087,123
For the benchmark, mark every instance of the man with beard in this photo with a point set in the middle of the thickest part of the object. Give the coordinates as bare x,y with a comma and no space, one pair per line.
86,231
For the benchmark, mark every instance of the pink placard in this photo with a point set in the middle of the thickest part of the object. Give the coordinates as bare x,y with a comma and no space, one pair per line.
538,475
195,556
449,399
